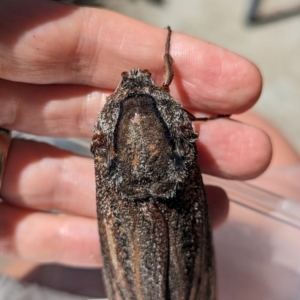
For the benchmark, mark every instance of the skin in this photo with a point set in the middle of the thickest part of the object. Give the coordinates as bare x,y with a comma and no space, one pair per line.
57,64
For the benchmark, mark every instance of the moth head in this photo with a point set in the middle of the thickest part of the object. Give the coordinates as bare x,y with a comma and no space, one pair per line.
136,78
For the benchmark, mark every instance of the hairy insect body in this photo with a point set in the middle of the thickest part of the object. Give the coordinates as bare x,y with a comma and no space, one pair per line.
152,211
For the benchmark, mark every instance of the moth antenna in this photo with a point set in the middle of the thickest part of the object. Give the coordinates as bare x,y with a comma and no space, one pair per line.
192,118
168,63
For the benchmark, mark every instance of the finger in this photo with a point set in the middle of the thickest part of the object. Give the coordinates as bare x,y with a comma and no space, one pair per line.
40,176
51,110
59,238
48,238
47,42
283,152
66,182
232,150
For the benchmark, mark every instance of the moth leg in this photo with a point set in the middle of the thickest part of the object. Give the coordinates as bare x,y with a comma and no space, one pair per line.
98,140
168,63
192,118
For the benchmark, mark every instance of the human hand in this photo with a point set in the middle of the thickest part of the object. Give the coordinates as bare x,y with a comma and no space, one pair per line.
57,64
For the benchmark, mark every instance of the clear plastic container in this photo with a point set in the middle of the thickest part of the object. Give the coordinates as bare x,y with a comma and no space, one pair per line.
258,248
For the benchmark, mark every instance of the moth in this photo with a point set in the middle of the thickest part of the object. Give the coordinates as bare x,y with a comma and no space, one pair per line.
154,226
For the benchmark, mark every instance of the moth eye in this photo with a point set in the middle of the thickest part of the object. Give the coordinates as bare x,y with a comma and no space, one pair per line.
147,72
123,74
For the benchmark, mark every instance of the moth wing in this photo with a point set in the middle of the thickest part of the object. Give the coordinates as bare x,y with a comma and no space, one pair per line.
134,245
191,265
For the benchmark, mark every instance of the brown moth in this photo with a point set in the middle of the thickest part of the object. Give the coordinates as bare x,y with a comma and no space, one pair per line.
152,212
